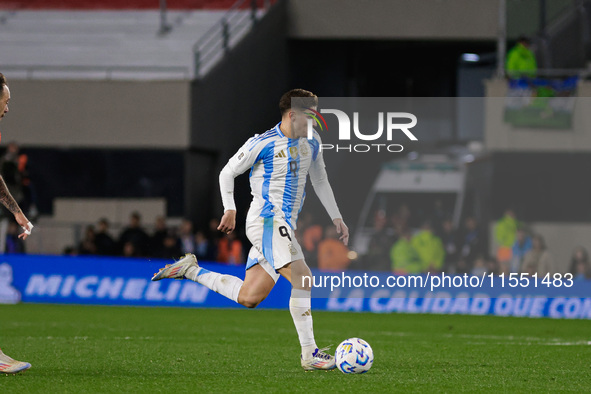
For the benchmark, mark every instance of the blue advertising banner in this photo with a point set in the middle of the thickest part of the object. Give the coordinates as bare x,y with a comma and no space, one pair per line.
112,281
517,294
477,304
123,281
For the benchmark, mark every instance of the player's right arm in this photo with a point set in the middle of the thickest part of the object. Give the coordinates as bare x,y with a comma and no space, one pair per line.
243,160
9,202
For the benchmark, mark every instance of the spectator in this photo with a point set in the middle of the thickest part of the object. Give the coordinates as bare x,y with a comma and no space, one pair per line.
405,259
505,233
580,266
471,245
170,248
311,237
10,168
129,250
401,219
492,265
88,245
186,237
333,255
157,238
449,237
538,259
14,164
205,250
214,234
14,245
105,244
134,234
462,267
522,245
438,216
521,61
480,266
429,247
380,243
230,249
70,251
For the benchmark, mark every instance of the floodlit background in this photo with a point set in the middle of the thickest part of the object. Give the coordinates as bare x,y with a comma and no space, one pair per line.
123,114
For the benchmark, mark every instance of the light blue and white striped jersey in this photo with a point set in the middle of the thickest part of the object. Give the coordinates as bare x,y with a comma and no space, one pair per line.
279,168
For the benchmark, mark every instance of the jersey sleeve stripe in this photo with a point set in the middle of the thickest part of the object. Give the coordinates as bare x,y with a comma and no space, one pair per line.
267,156
315,148
261,138
291,182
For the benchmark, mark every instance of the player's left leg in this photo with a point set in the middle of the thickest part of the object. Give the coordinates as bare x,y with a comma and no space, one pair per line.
257,284
250,293
9,365
300,306
259,279
187,267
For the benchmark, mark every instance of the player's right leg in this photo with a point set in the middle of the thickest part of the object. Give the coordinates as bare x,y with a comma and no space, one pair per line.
300,307
9,365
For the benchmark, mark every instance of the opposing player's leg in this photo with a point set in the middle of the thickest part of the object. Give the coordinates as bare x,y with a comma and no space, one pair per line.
9,365
298,273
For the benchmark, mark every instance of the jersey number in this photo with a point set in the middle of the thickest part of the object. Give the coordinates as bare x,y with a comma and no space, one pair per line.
293,167
284,233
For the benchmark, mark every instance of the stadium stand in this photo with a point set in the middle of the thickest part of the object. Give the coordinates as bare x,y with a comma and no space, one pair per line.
118,5
127,113
119,40
54,39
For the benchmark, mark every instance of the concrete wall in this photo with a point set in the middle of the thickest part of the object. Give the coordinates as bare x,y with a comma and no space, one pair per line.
523,16
393,19
416,19
115,210
71,216
104,114
500,136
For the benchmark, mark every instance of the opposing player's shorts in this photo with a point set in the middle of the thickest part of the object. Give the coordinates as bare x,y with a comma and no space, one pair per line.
273,245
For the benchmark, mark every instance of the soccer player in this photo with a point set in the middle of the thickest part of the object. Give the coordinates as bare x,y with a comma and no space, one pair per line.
279,161
7,364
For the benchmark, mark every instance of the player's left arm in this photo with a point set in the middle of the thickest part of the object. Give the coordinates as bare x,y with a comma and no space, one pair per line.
10,203
323,190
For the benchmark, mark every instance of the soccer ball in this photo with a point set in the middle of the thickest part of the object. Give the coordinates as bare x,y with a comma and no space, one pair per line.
354,355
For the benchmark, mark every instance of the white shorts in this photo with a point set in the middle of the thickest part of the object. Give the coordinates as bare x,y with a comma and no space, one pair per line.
273,245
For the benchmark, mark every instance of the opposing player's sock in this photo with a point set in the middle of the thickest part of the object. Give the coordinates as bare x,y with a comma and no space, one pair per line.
226,285
301,313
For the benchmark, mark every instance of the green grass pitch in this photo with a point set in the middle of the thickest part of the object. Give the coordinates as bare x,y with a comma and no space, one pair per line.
172,350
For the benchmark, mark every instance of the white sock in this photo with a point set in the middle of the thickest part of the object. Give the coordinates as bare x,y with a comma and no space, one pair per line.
301,313
226,285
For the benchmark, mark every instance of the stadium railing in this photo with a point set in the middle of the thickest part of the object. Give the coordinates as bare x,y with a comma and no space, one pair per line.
234,25
99,72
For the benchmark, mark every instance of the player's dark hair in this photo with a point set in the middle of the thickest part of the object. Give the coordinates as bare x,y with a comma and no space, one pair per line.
524,39
305,99
3,83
